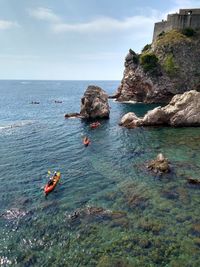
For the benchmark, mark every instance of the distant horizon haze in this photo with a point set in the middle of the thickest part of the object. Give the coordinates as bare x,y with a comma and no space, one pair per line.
79,40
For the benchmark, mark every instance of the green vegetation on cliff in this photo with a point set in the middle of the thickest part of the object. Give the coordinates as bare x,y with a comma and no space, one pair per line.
149,62
171,37
170,66
146,48
189,32
135,59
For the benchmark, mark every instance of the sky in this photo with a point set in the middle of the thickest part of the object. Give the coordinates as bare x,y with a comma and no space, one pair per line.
76,39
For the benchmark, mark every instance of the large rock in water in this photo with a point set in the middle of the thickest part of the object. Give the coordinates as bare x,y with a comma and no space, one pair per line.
94,103
183,110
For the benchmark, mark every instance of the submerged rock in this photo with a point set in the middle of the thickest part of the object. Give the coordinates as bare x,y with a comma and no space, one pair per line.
134,197
96,211
13,214
170,193
183,110
107,261
150,225
94,103
193,181
196,228
91,214
137,201
90,211
160,164
197,241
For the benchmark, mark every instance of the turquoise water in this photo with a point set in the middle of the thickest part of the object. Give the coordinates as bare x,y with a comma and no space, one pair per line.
127,216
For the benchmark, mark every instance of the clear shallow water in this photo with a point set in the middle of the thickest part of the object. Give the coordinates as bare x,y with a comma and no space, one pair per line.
145,220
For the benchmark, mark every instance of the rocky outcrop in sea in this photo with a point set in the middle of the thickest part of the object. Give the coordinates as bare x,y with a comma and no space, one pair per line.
169,66
94,103
183,110
159,165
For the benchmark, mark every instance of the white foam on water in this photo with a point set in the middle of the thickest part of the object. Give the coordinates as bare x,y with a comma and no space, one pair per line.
126,102
16,124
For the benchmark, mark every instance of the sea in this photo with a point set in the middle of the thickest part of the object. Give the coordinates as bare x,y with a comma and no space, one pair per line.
108,209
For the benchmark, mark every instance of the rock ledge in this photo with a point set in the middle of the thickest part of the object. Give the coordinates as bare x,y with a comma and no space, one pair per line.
183,110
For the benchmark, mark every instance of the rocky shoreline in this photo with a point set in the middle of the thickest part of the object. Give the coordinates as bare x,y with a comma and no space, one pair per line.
183,110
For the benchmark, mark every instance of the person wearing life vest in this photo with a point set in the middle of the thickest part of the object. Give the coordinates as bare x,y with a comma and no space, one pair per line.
51,180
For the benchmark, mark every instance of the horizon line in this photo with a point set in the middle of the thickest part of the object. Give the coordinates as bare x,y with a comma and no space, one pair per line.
56,80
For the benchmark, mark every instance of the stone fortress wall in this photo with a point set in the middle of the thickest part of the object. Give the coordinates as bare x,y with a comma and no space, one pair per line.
186,18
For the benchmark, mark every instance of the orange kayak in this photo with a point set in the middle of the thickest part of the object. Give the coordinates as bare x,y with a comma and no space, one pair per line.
49,188
86,142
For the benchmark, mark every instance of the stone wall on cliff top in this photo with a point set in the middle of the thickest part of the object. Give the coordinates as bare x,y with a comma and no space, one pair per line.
176,70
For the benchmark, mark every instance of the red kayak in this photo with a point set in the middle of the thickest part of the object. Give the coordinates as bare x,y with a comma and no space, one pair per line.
55,179
95,125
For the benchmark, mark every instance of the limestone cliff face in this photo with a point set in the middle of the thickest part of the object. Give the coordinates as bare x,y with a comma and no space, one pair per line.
171,65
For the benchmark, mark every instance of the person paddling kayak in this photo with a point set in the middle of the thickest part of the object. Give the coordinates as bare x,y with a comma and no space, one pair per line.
86,141
52,179
52,183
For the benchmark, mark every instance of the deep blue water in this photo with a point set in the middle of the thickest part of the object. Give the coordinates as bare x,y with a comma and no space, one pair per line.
153,221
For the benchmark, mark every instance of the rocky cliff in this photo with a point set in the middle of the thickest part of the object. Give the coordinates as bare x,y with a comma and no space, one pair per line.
169,66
